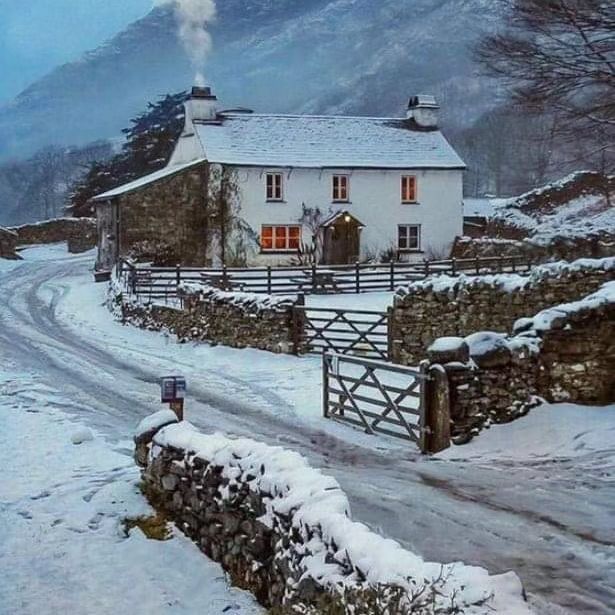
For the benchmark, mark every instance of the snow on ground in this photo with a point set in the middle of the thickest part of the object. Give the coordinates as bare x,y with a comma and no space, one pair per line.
367,301
64,548
549,520
548,432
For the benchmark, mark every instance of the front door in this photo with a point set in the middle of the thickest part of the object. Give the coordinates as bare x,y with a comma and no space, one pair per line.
342,243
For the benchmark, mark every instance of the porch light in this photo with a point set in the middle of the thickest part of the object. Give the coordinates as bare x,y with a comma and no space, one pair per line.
347,218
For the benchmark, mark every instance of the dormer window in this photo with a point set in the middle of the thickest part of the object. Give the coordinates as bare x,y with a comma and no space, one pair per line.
274,186
340,188
408,189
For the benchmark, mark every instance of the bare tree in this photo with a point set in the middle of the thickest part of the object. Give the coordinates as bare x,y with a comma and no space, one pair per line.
559,56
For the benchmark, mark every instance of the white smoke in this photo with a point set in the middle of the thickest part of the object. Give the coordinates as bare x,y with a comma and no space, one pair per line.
193,19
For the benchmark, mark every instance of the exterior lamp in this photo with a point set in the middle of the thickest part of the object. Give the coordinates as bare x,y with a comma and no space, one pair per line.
347,218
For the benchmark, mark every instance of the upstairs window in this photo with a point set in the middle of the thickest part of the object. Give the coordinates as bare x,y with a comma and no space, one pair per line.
280,238
408,189
340,188
274,186
409,237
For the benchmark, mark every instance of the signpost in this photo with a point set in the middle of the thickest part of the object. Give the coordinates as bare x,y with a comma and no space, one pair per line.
173,392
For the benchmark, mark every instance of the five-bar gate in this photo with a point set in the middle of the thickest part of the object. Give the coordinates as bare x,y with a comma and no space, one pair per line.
348,332
377,397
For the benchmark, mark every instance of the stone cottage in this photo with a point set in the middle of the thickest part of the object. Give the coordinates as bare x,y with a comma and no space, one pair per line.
258,189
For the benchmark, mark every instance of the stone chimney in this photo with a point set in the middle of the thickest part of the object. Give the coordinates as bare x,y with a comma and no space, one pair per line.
201,106
423,109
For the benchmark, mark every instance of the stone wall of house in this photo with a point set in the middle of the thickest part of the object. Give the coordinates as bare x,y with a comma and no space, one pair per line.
165,222
283,530
239,320
564,353
80,233
526,250
458,306
8,243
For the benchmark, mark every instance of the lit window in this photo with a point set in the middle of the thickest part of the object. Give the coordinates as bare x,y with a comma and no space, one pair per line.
340,188
409,237
274,186
408,189
280,238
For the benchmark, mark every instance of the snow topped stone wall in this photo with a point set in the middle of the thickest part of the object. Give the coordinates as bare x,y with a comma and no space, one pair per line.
283,530
236,319
80,233
458,306
8,243
564,353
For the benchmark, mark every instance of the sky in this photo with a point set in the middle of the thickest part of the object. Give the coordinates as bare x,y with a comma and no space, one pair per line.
37,35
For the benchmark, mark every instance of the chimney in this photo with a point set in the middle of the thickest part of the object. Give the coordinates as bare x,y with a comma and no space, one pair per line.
423,109
201,106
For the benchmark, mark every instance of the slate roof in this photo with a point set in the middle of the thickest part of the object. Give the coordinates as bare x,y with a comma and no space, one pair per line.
324,142
146,180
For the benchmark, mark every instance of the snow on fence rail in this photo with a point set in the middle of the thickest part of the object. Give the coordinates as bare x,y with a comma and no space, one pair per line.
162,282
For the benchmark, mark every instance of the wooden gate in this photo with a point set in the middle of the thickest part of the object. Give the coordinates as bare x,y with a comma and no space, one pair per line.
348,332
377,397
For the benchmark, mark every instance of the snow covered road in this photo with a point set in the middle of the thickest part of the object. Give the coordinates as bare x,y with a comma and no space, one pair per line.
501,503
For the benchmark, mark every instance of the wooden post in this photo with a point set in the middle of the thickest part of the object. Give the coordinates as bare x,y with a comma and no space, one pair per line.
477,263
357,278
269,287
426,268
178,408
437,410
390,350
313,277
500,264
325,385
225,284
514,264
298,325
178,275
392,275
454,265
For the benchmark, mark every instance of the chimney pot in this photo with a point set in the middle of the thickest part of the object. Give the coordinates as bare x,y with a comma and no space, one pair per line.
201,106
423,109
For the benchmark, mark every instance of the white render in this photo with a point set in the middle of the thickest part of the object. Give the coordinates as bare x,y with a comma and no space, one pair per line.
375,200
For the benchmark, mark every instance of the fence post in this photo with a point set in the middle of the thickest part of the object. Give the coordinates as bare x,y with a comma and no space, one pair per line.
514,264
325,385
477,263
313,277
454,265
392,275
357,278
225,284
426,267
390,348
500,264
297,324
178,275
269,288
436,435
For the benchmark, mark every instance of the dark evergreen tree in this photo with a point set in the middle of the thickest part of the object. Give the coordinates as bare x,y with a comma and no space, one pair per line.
148,146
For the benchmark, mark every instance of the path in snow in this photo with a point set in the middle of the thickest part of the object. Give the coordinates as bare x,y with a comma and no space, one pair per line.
548,519
63,546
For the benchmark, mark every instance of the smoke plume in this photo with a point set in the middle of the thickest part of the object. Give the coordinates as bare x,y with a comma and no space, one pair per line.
193,19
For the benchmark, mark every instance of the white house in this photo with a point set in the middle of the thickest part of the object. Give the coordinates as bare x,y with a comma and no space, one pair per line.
372,185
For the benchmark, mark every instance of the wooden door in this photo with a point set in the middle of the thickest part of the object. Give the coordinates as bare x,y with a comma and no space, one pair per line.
342,242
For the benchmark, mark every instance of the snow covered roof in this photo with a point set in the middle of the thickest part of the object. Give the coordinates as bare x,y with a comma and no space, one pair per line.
146,180
484,207
324,142
333,218
7,231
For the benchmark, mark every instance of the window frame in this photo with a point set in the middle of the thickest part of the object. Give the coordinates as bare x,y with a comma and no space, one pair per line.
337,177
407,228
404,179
280,187
274,249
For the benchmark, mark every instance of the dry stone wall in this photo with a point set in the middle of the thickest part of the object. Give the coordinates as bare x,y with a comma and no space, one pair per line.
458,306
283,531
8,243
564,353
80,233
526,250
239,320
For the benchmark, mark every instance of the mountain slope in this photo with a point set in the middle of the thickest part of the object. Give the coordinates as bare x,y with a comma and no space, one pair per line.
334,56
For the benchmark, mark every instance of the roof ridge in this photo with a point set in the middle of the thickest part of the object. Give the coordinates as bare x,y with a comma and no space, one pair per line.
309,116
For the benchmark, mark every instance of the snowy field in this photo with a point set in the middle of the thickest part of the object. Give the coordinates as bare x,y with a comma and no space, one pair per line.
63,496
535,496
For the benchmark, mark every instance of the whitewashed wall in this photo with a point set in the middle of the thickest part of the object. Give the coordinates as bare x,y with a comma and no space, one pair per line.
375,199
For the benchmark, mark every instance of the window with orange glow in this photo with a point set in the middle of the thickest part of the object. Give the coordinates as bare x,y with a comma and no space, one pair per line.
280,238
408,189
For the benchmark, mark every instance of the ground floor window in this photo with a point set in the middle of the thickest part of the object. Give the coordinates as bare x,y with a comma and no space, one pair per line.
280,238
409,237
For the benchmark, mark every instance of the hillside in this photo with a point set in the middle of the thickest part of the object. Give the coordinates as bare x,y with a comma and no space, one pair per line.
276,55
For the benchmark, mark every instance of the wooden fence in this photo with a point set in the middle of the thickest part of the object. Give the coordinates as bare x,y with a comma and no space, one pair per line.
161,282
376,397
356,332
